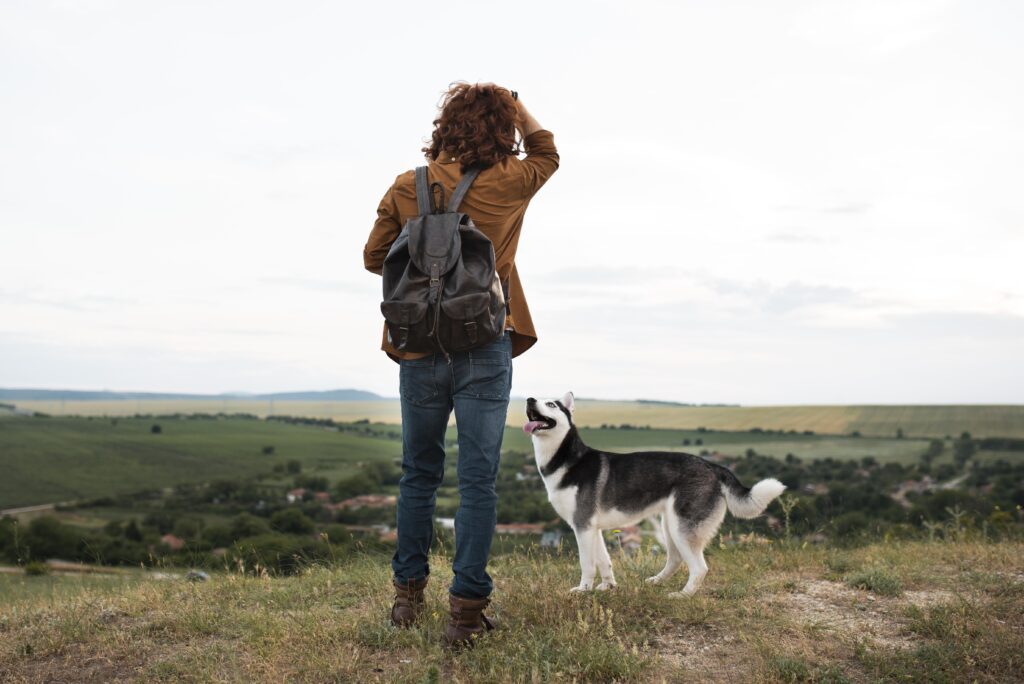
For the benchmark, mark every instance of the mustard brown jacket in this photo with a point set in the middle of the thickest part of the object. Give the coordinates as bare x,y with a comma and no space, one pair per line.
496,202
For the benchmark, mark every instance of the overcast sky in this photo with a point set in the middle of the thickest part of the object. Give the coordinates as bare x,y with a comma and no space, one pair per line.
758,203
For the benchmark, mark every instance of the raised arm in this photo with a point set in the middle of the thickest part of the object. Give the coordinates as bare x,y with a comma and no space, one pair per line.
541,154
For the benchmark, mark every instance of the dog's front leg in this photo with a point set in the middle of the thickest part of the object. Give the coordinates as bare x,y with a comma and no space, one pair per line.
604,563
585,543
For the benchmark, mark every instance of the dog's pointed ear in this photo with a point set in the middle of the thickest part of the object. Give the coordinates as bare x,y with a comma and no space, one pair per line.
567,402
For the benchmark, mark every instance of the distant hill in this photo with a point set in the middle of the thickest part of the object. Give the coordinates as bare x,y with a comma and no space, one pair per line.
106,395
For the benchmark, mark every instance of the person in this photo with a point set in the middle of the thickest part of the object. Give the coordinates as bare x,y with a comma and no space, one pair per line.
476,127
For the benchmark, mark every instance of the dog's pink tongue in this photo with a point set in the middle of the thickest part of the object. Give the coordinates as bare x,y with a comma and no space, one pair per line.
531,426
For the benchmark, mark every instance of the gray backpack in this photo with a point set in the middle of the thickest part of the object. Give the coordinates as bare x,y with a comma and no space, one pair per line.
441,290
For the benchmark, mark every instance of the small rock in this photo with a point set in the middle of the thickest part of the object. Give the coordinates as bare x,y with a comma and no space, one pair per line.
196,576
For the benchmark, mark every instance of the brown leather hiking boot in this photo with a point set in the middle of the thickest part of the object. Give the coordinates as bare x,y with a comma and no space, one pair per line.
467,622
408,602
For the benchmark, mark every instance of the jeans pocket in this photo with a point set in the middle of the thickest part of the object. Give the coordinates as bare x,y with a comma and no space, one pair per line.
416,382
490,374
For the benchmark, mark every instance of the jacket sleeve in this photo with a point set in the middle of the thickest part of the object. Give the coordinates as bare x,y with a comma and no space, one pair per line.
384,232
541,161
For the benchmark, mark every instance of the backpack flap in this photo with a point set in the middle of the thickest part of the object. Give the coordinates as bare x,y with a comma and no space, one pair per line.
435,245
470,320
403,318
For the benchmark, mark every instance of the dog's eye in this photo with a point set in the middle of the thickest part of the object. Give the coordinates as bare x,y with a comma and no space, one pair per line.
550,404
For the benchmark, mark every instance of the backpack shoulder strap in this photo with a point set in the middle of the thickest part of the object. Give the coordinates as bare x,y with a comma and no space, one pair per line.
460,190
422,191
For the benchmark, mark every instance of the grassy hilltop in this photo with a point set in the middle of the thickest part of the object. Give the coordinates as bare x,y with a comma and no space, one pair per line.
864,587
944,611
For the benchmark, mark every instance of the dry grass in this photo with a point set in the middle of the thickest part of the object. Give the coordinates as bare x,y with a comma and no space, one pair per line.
764,614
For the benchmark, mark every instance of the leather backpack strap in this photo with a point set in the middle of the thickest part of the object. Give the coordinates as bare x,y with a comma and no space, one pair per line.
460,190
422,191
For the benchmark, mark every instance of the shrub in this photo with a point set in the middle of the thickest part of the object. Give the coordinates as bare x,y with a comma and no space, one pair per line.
245,525
279,553
291,521
37,568
877,580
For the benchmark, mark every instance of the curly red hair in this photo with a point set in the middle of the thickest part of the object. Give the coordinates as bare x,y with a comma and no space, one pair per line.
477,125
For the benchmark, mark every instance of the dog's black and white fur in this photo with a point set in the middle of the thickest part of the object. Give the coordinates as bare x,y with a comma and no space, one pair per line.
596,490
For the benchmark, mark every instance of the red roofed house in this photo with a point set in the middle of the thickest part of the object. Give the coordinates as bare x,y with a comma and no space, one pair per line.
519,528
368,501
172,542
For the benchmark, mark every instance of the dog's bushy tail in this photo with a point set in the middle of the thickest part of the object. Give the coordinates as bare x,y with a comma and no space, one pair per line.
744,502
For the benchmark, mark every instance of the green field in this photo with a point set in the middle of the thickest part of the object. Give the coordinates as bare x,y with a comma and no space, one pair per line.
52,460
47,460
876,421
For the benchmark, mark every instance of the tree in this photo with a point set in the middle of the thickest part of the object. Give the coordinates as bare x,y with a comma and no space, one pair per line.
156,429
316,483
354,485
291,521
294,467
189,527
963,449
935,449
132,531
245,525
49,538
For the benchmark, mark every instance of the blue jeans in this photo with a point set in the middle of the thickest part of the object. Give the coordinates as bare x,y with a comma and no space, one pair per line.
477,385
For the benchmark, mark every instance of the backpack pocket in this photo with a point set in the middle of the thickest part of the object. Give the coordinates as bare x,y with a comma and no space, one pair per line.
467,321
407,325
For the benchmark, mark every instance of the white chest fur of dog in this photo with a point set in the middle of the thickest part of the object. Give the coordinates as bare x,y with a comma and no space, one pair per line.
594,490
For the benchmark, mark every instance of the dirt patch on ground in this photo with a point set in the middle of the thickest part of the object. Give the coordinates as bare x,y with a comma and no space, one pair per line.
705,652
837,608
78,664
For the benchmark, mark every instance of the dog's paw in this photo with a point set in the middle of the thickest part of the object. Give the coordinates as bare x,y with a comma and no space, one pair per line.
605,586
656,579
580,588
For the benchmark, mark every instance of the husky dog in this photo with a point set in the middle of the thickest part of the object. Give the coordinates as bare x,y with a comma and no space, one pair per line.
596,490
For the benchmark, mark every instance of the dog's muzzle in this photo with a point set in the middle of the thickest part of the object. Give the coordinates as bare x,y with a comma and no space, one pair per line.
535,420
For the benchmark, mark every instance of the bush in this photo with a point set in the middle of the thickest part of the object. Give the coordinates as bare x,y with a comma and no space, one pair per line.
291,521
354,485
850,524
49,538
278,553
877,580
245,525
37,568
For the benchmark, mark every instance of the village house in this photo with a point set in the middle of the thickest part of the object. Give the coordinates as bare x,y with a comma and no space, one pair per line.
629,538
294,495
519,528
368,501
172,542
